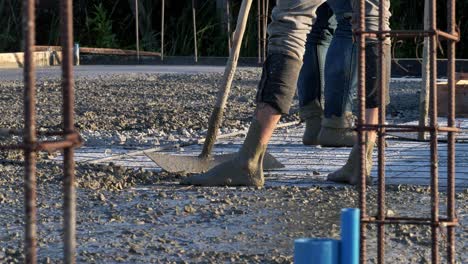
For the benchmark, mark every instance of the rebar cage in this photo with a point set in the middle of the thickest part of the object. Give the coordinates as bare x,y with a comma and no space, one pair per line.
381,220
30,145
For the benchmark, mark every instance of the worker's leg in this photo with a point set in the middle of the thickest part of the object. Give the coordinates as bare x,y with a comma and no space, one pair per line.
349,173
340,79
311,78
291,22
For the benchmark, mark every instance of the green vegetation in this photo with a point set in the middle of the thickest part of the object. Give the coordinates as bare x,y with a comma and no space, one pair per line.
111,23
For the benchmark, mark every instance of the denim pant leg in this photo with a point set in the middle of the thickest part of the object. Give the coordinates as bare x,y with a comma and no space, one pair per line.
311,82
341,64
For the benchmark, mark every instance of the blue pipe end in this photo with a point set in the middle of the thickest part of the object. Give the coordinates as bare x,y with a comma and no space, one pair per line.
316,251
350,235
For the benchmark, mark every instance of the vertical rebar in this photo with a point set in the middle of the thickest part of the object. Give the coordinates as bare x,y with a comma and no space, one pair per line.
361,122
424,91
195,46
433,135
381,142
162,30
265,25
68,127
137,22
228,27
29,137
259,31
451,214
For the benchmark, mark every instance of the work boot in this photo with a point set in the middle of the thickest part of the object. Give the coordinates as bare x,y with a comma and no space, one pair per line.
312,115
338,131
245,169
349,173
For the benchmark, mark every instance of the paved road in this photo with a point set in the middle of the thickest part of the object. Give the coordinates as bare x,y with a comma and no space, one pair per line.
96,70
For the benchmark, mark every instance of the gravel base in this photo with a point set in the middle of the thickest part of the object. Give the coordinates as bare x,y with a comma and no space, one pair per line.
136,216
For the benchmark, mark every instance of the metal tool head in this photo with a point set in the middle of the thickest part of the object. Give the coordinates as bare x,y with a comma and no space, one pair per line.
196,164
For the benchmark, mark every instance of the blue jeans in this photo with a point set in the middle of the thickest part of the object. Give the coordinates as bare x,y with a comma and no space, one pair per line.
311,80
330,60
336,71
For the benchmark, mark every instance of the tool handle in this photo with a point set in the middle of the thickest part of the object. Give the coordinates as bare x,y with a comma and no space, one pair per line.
223,93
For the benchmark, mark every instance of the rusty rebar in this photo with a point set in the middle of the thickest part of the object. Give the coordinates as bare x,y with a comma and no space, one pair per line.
409,34
29,137
411,221
433,134
381,209
66,26
412,128
259,31
265,26
361,121
451,214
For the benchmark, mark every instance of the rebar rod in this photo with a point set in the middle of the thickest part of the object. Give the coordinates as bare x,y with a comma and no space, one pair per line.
265,25
451,214
361,121
381,209
29,137
228,27
259,31
68,128
433,135
424,91
162,29
137,22
195,45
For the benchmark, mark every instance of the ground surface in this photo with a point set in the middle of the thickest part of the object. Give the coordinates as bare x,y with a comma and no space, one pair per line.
132,215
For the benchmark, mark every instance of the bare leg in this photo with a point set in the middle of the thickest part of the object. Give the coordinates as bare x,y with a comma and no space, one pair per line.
268,117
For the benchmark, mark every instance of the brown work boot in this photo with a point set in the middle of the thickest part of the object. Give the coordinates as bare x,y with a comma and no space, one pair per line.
312,115
349,173
338,131
245,169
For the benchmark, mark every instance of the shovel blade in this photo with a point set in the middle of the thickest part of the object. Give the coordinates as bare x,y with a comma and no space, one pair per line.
195,164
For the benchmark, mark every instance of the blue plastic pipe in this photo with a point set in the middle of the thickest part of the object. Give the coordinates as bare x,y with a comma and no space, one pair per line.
316,251
350,225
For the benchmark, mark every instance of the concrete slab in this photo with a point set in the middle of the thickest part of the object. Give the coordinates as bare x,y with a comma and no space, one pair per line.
407,162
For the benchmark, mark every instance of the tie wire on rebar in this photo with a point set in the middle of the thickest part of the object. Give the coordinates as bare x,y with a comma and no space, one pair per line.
435,222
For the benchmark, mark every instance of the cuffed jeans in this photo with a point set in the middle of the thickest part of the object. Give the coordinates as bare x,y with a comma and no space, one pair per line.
288,32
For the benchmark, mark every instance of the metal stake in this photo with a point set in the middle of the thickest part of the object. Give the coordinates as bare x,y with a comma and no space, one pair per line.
68,129
194,32
259,31
137,22
162,30
451,213
29,137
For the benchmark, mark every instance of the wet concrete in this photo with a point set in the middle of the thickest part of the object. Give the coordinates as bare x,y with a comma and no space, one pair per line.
133,215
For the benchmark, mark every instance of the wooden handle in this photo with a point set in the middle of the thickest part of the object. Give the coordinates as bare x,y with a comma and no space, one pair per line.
223,93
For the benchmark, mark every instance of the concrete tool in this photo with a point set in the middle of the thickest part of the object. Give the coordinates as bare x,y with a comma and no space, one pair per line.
206,161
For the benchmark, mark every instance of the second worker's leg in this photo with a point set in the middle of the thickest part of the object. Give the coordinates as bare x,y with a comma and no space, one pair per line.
349,173
311,78
340,81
